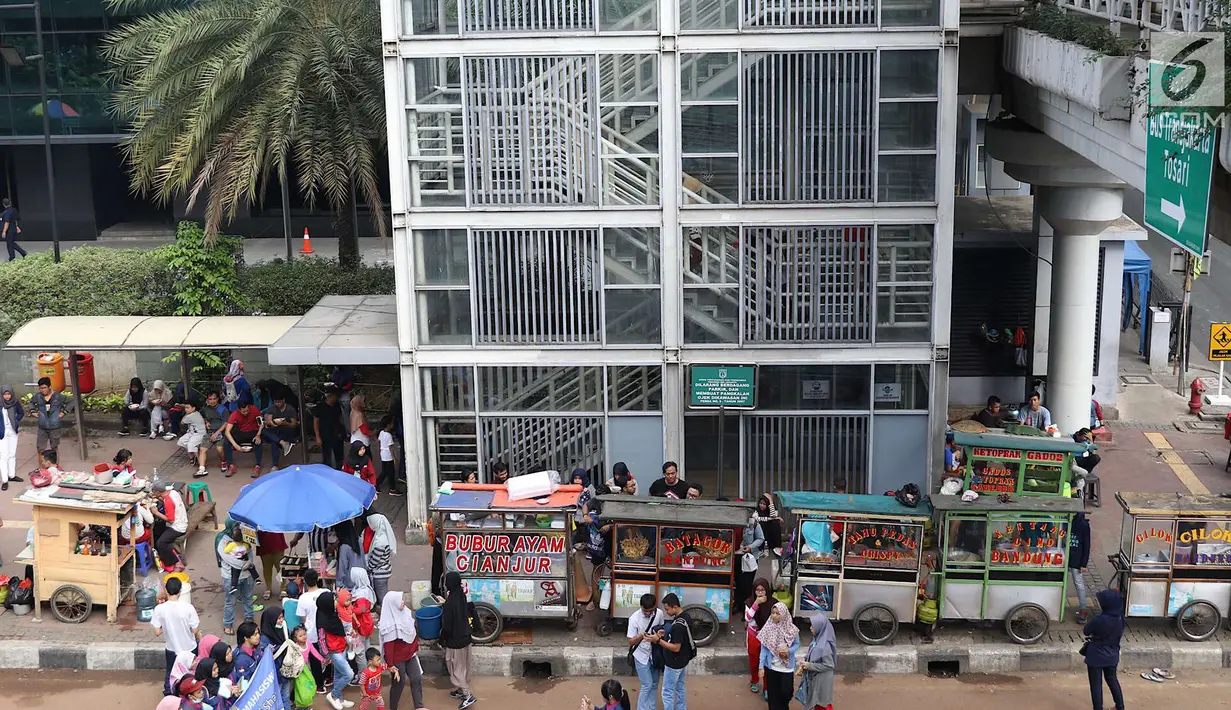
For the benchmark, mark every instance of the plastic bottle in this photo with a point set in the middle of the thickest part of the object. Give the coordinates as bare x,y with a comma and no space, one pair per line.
154,477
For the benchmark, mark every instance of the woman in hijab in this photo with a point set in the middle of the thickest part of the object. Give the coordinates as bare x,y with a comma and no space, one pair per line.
400,646
816,684
224,658
185,664
208,641
361,585
779,641
455,636
756,612
160,401
350,554
234,386
12,413
749,552
582,478
333,638
359,429
359,462
771,522
207,673
136,405
380,553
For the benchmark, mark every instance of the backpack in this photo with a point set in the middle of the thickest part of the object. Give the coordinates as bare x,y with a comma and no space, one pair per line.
229,392
291,664
689,650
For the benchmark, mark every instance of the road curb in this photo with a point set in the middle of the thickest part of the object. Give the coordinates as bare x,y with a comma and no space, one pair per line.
588,661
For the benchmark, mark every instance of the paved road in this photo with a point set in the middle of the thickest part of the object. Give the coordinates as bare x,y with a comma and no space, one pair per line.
1208,691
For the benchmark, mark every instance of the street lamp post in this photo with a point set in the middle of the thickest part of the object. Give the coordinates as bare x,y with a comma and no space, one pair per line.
46,111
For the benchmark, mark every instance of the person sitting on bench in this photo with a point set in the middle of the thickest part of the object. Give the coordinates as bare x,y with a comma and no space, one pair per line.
243,432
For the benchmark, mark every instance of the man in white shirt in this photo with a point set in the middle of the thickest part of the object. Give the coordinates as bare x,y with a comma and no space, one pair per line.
307,611
388,459
177,623
639,626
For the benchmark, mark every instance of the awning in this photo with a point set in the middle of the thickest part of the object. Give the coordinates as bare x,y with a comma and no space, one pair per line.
163,333
342,330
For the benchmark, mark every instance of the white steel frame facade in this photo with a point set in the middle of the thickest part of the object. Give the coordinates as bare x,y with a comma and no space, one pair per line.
670,217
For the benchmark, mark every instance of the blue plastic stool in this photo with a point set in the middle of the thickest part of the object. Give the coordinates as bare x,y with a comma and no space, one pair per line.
145,558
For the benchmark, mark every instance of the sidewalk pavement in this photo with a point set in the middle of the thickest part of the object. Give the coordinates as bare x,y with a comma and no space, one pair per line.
1144,456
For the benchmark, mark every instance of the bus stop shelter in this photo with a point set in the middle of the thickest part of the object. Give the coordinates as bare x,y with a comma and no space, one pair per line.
158,333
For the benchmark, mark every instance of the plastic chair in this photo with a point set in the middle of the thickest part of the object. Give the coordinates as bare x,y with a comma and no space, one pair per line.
1093,490
199,491
145,558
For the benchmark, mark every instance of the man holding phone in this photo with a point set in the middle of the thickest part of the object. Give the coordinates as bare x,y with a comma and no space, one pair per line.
243,432
641,636
280,429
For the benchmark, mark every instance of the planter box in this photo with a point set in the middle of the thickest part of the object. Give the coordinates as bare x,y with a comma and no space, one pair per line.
1100,83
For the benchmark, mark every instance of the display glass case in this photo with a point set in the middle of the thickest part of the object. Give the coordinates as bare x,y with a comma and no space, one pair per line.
1203,543
994,471
696,549
881,546
966,542
635,545
1043,472
1034,543
820,545
1151,542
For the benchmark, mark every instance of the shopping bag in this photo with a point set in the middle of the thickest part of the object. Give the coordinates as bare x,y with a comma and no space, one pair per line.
305,688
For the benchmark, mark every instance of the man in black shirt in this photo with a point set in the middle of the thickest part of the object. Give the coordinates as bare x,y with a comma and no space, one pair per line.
10,227
329,428
670,485
678,650
990,417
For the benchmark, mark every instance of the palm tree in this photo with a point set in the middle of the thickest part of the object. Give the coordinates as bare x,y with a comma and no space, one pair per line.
223,94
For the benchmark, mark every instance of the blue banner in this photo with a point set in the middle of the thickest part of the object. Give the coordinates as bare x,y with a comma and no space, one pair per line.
262,692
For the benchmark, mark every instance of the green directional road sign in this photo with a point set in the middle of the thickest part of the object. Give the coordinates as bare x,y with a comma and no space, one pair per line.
1179,162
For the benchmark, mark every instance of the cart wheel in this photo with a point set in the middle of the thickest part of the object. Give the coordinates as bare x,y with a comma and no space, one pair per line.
702,623
875,624
1197,621
71,604
488,621
604,628
1026,623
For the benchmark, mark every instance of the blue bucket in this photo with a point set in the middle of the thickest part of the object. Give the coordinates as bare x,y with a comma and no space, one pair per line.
428,620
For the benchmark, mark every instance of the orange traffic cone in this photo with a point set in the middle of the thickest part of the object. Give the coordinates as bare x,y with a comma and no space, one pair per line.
307,242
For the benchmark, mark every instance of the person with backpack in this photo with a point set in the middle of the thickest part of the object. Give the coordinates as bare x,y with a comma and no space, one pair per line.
646,660
678,650
11,228
1102,648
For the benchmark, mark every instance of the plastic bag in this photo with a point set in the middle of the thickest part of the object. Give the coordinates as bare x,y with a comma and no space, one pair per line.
305,689
21,592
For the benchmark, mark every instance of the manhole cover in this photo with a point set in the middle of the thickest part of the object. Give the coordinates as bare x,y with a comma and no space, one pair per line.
1137,380
1204,426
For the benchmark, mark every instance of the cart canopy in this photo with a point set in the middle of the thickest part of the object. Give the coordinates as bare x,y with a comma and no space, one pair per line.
799,502
1019,504
1062,445
495,496
723,514
1175,504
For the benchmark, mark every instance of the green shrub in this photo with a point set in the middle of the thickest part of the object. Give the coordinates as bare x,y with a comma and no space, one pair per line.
281,289
1076,28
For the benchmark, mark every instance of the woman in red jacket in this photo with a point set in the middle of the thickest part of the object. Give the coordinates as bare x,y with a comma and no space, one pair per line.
359,462
333,638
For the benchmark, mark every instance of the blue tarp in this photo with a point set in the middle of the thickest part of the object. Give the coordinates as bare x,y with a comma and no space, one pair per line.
796,501
1136,287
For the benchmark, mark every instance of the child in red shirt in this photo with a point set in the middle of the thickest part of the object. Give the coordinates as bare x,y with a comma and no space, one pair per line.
369,681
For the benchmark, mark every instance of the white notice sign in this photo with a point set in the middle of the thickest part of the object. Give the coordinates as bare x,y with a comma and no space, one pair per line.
888,392
815,389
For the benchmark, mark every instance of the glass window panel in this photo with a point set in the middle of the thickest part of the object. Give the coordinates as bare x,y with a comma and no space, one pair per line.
711,180
711,315
709,14
904,313
632,129
444,317
901,387
906,178
448,389
966,542
908,125
441,182
635,388
631,181
903,253
817,546
1203,544
627,78
806,387
1151,542
1030,543
636,545
909,73
631,255
80,62
430,17
711,255
92,114
634,316
437,80
628,15
710,129
882,546
910,13
712,76
442,257
696,549
993,476
541,389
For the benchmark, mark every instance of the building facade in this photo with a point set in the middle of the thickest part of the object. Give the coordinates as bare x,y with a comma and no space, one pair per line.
591,196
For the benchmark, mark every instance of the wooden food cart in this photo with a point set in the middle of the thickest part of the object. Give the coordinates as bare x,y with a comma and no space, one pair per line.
1004,560
513,556
664,546
996,463
857,557
1174,560
78,561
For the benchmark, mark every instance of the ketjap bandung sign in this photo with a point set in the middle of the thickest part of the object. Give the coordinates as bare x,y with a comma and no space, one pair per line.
1032,544
528,555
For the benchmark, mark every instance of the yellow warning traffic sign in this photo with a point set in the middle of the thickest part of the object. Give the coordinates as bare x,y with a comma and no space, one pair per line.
1220,342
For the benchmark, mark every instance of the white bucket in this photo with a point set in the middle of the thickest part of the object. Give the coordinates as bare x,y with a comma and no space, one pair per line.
419,592
531,485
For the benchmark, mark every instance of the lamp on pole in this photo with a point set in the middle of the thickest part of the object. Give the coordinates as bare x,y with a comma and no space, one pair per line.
15,59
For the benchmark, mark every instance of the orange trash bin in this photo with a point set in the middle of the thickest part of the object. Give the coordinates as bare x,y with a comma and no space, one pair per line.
51,365
85,372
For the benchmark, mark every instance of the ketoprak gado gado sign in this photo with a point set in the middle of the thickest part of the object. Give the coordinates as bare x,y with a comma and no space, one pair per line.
518,555
994,476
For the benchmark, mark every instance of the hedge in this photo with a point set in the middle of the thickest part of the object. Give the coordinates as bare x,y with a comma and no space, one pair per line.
98,281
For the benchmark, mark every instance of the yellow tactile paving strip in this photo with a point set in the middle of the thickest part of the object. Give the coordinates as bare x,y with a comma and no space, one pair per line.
1178,467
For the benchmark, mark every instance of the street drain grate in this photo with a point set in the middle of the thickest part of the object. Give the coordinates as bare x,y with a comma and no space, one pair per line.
530,669
1204,426
1137,380
944,669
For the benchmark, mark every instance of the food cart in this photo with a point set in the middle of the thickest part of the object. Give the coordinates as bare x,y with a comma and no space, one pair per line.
77,558
682,546
1174,559
513,556
998,463
857,557
1004,560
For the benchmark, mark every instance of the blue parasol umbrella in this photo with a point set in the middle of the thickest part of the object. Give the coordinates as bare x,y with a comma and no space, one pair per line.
299,498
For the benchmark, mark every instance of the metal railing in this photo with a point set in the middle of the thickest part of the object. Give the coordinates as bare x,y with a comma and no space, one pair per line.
1162,15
